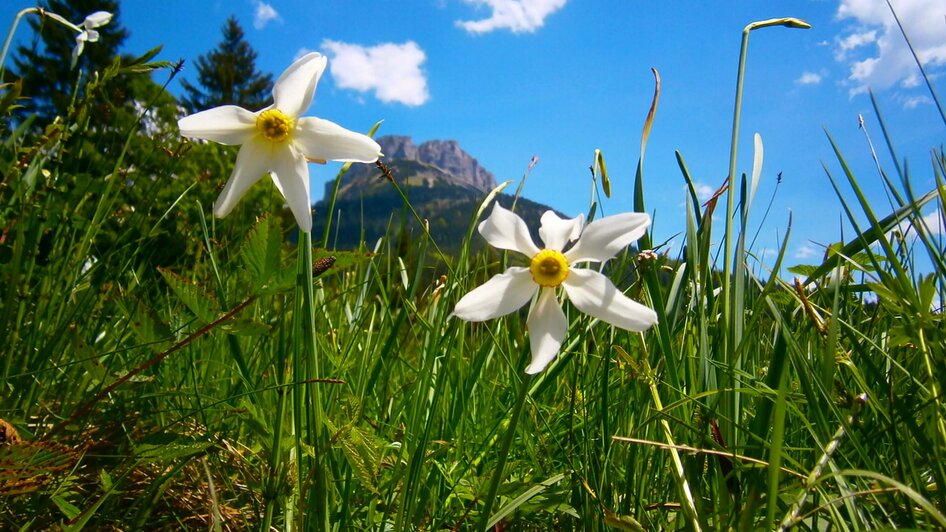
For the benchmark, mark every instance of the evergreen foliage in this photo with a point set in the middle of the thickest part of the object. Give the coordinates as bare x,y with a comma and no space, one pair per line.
44,65
227,75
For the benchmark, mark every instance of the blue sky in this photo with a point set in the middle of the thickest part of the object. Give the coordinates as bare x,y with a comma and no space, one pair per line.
510,79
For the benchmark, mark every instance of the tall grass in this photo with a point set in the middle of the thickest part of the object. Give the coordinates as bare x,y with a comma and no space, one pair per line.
255,383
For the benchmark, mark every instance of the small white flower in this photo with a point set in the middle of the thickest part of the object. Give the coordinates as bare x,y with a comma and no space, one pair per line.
551,267
87,32
276,140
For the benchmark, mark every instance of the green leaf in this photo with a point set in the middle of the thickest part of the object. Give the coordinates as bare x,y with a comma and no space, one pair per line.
67,508
149,328
260,252
623,522
803,269
245,327
523,498
194,298
862,242
148,452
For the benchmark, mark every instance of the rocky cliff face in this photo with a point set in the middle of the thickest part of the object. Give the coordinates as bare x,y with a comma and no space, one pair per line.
398,147
430,162
443,183
447,155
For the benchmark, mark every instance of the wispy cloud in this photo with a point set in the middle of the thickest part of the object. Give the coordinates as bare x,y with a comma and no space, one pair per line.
264,14
912,102
876,53
517,16
853,41
391,71
703,191
933,223
805,251
809,78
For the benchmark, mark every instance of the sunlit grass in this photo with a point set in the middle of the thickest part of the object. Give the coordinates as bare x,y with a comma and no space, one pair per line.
159,370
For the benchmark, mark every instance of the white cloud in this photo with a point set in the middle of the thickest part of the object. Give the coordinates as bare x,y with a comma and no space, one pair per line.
264,14
912,102
517,16
391,71
808,78
805,252
301,52
852,41
933,223
703,191
877,54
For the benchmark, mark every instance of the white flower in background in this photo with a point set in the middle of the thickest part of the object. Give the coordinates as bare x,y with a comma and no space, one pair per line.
87,32
551,267
276,140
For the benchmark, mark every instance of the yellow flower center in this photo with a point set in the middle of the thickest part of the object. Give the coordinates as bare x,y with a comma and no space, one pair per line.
274,125
549,268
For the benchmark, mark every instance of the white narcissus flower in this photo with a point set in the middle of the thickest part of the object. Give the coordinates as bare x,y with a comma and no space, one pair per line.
276,140
551,267
87,32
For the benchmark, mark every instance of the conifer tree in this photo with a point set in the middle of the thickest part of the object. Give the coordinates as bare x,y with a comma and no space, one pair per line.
227,75
44,64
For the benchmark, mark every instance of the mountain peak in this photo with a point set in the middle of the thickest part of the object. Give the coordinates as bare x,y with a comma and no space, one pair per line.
445,155
398,147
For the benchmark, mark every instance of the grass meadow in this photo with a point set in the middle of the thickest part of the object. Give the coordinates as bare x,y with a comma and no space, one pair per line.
162,369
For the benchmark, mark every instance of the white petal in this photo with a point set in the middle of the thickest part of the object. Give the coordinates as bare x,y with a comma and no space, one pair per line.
556,232
97,19
547,327
77,51
253,161
295,87
89,36
605,237
328,141
227,124
595,295
291,175
499,296
504,229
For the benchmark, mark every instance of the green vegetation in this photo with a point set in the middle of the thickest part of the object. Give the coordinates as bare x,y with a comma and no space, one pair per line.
160,368
228,75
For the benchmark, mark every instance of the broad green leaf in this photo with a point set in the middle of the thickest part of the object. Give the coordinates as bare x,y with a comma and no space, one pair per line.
261,252
67,508
148,326
201,303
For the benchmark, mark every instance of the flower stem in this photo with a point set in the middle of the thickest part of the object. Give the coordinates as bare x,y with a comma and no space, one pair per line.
686,496
504,452
307,403
9,39
731,403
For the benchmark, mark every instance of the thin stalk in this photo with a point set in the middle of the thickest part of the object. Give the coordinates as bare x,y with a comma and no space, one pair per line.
16,22
791,517
318,517
9,39
728,258
689,505
504,452
275,461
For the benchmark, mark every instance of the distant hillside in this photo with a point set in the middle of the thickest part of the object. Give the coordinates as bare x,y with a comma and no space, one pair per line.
444,184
